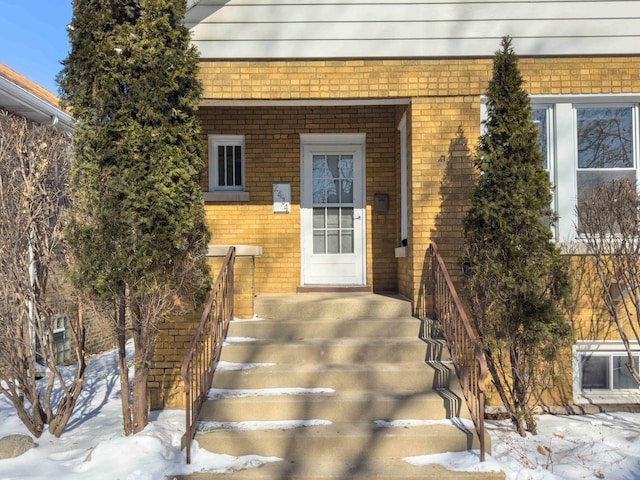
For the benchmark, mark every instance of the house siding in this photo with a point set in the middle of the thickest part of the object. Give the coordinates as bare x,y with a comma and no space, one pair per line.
394,28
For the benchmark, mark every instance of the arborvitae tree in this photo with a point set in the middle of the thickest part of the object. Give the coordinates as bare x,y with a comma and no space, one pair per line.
515,275
138,229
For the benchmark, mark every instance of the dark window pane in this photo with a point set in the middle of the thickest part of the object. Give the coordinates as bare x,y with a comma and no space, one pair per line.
346,192
621,376
238,166
229,165
540,118
589,180
332,191
221,166
595,372
605,137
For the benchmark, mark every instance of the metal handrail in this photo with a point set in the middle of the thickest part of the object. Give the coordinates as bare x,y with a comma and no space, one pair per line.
466,354
201,361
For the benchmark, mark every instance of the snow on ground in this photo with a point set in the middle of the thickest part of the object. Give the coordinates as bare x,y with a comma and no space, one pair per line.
603,446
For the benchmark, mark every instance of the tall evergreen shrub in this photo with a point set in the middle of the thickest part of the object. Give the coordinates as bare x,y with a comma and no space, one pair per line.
515,274
138,227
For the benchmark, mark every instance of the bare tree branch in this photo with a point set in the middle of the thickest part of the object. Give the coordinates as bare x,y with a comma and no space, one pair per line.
609,227
33,294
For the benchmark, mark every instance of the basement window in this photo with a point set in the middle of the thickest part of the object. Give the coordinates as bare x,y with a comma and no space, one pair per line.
601,374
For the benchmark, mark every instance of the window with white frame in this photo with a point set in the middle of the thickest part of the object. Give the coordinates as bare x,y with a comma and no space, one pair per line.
226,163
585,141
600,372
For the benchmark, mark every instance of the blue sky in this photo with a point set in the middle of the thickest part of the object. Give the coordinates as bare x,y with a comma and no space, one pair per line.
33,38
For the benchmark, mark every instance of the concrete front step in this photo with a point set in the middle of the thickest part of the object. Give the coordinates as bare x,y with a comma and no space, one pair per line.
358,469
327,328
359,362
345,441
356,407
330,306
325,351
396,378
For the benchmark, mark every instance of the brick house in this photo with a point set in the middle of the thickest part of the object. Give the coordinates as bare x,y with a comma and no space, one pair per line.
340,136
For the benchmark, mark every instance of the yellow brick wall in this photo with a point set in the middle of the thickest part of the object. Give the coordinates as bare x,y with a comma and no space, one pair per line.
166,388
272,154
443,123
444,118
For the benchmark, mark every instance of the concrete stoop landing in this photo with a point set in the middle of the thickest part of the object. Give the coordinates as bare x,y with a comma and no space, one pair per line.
339,386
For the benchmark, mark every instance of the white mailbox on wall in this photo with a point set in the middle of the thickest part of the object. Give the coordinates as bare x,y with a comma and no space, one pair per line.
281,198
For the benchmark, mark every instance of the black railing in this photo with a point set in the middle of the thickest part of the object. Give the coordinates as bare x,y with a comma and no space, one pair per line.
201,361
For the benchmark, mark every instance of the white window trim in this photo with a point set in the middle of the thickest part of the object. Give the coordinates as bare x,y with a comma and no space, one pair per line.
214,141
404,186
600,348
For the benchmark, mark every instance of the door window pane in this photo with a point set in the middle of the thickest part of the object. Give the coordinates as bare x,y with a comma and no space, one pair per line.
333,217
347,241
318,218
346,218
346,191
318,242
333,241
595,372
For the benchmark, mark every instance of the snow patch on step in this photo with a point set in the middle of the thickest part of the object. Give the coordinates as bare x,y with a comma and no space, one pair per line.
233,367
217,393
206,427
232,340
456,422
468,461
203,460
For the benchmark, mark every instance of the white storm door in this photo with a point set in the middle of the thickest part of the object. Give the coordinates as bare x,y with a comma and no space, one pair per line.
333,215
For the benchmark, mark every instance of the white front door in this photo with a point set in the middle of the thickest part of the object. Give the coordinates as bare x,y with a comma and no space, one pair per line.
333,211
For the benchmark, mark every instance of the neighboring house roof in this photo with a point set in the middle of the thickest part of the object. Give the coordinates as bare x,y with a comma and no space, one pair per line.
23,97
246,29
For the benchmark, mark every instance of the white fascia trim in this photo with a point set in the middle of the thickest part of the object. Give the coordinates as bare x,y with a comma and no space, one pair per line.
36,104
303,103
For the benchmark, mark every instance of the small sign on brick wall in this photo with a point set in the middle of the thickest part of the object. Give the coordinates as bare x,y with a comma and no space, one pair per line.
281,198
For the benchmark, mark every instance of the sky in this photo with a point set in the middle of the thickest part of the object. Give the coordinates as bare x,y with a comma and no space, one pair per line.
578,447
33,38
